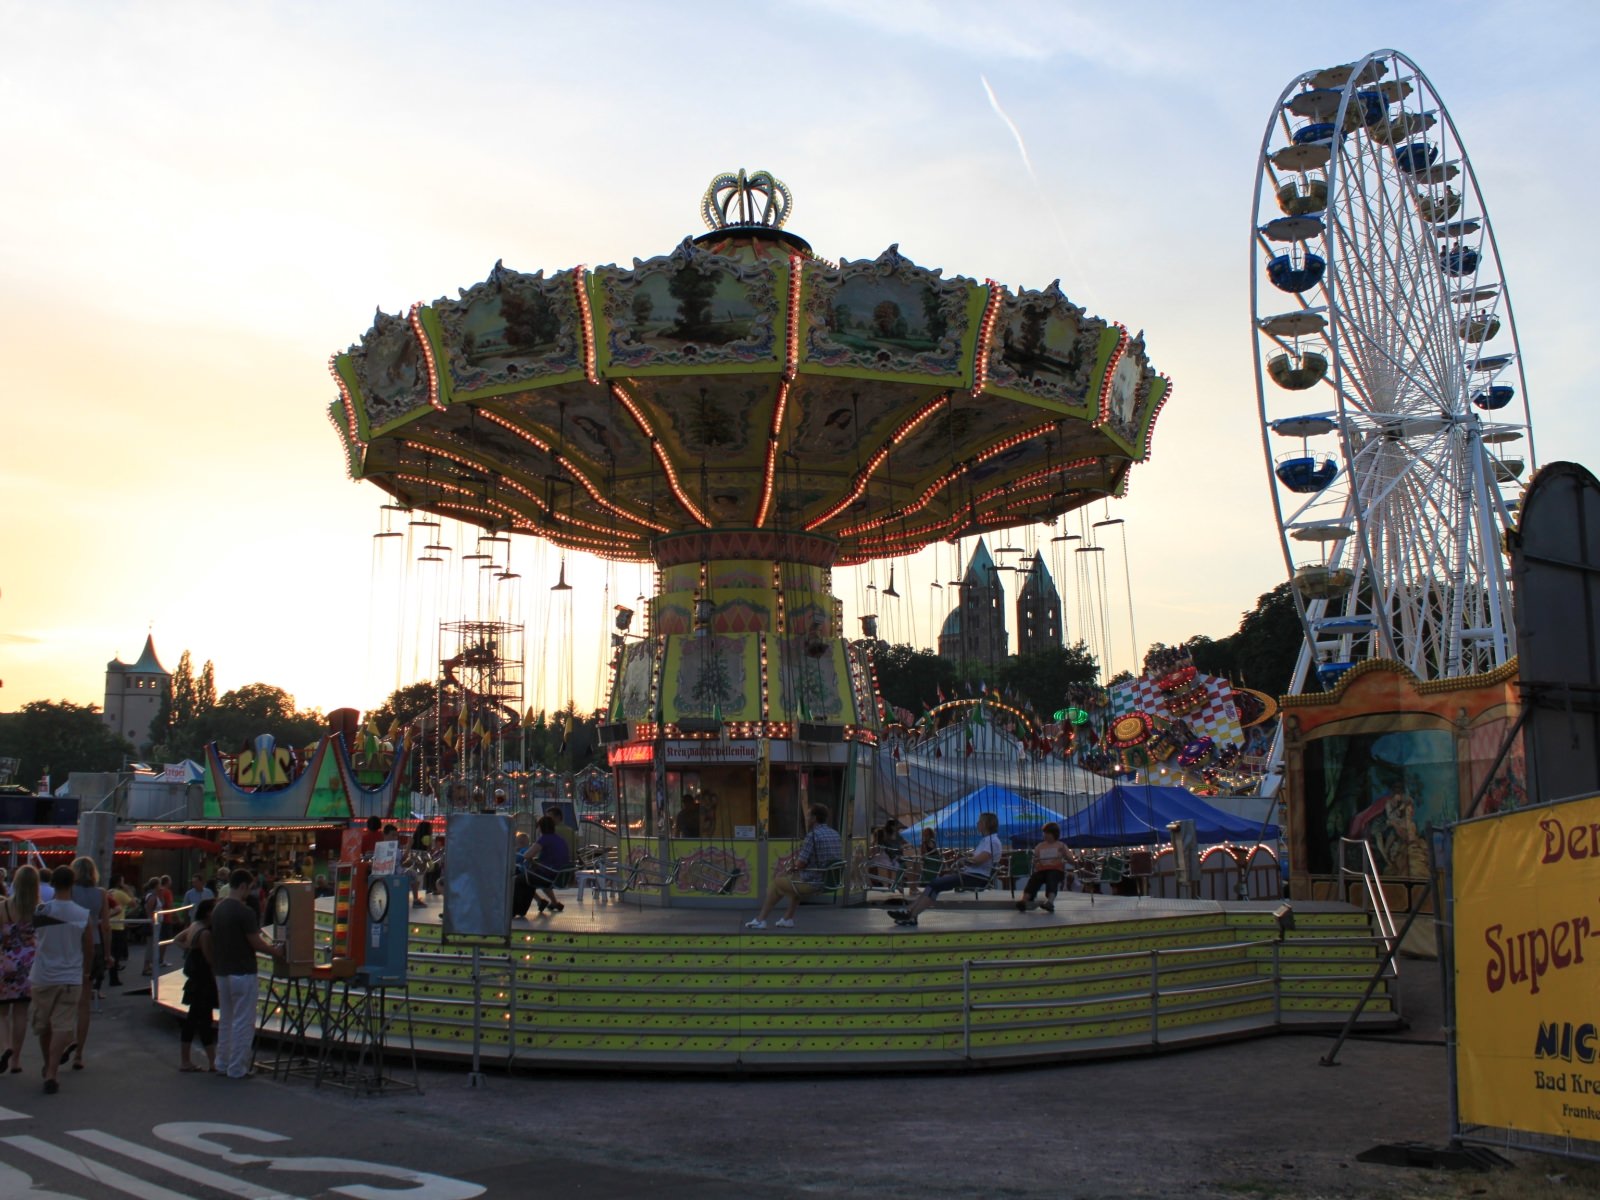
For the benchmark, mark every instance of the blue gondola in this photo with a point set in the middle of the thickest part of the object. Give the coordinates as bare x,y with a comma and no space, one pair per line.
1287,276
1496,397
1415,156
1306,473
1328,673
1317,131
1373,107
1459,260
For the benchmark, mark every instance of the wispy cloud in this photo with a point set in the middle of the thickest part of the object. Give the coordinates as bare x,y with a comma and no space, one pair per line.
1021,31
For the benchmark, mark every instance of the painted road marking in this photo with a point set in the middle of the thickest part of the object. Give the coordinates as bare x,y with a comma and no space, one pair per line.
180,1167
7,1114
100,1173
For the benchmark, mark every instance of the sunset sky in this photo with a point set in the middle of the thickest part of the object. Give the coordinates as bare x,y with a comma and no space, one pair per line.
203,201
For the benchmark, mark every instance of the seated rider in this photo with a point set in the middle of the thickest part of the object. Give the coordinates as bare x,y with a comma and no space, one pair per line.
973,870
888,847
544,862
821,848
1049,870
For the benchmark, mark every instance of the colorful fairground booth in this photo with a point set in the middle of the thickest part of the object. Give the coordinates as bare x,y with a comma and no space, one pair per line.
1383,758
746,707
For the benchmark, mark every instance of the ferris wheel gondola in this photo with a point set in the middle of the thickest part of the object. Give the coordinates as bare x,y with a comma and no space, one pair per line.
1393,406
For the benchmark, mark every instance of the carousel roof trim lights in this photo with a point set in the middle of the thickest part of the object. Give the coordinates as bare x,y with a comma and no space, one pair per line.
741,382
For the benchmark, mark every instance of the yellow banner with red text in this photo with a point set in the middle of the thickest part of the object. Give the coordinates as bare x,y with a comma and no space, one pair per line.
1527,969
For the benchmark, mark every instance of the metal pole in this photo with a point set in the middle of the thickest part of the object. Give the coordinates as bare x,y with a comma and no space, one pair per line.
1155,997
1446,905
1277,983
966,1009
475,1078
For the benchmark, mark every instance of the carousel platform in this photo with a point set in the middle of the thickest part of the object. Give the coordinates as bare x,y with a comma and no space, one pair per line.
628,987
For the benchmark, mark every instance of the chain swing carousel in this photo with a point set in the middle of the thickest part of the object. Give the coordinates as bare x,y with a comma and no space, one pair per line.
746,417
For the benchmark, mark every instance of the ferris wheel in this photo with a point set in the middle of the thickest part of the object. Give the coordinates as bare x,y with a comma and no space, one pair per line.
1394,410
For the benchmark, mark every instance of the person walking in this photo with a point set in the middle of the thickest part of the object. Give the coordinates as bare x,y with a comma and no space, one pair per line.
199,990
122,901
63,950
86,891
16,961
236,939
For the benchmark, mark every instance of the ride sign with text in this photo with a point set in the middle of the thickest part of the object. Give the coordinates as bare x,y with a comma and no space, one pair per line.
1527,984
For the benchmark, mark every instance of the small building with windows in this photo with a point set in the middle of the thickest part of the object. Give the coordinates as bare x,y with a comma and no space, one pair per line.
134,694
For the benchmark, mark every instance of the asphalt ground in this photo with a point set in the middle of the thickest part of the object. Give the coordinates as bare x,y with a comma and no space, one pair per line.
1259,1118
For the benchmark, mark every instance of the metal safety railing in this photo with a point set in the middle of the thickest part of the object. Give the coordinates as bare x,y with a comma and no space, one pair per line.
1151,989
1371,882
155,946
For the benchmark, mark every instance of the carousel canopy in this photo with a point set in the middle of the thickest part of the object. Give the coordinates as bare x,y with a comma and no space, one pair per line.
741,383
1138,815
125,839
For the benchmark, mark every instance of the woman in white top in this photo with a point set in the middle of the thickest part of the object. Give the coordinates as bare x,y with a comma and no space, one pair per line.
972,870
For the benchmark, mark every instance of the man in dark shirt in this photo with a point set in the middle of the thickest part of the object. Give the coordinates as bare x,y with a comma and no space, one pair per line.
235,941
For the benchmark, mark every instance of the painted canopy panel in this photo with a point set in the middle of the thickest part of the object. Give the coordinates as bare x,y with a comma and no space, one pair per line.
739,382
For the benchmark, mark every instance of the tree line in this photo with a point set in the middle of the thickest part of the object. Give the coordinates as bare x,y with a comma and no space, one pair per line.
61,737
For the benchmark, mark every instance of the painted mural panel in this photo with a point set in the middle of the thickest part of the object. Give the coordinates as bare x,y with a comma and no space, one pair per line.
689,309
1044,346
891,316
716,676
509,331
390,375
1386,785
635,677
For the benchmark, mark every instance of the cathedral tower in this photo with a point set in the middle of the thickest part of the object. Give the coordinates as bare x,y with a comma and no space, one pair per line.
1038,610
975,630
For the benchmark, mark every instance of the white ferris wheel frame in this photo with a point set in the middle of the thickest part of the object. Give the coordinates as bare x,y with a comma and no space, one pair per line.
1412,454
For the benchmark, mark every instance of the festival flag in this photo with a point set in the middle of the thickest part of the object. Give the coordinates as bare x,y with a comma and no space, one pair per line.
450,737
486,739
395,729
461,717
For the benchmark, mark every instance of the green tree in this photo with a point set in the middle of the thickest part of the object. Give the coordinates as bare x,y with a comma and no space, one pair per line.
1042,678
912,679
404,704
1261,654
177,706
242,715
205,689
693,290
58,737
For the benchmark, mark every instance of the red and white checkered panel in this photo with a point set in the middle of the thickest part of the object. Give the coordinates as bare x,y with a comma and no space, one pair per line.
1216,718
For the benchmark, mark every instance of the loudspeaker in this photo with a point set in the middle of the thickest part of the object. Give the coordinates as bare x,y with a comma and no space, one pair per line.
294,926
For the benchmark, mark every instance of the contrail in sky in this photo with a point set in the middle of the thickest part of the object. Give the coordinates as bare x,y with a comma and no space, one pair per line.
1022,146
1033,176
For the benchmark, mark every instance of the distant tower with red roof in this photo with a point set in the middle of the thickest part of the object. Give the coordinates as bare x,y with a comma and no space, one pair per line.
134,694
